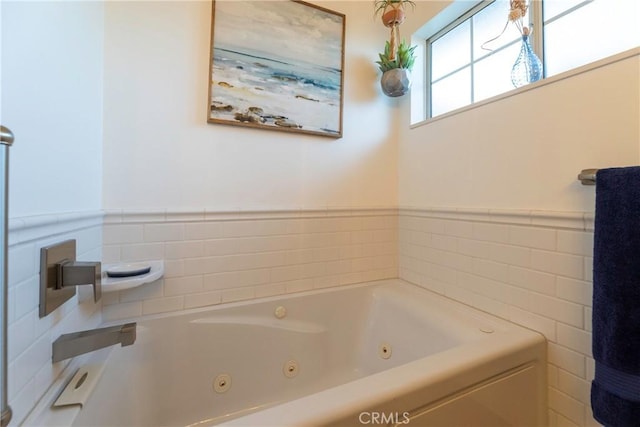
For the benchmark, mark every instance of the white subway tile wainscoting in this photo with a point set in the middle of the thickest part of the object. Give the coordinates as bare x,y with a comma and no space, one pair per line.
214,257
530,267
30,369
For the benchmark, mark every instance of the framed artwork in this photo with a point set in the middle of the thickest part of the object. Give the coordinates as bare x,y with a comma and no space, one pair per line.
277,65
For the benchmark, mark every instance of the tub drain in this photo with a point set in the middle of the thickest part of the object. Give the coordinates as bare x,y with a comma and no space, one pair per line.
290,369
384,350
222,383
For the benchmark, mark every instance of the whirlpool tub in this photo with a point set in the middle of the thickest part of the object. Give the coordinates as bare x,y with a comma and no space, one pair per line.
385,352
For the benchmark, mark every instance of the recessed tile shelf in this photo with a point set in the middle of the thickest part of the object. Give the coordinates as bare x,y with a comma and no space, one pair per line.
112,284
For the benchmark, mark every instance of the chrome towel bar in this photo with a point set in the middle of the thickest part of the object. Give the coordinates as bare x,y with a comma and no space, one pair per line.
588,176
6,136
6,139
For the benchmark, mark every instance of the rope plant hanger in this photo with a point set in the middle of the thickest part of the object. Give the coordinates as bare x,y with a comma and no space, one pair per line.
398,57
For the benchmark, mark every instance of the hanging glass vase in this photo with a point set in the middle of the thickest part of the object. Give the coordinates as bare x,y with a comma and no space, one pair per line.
528,67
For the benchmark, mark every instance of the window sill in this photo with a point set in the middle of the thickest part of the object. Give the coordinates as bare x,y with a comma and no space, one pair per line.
532,86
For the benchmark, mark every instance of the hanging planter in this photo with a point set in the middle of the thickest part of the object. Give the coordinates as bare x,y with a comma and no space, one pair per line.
394,16
392,11
396,71
396,82
397,59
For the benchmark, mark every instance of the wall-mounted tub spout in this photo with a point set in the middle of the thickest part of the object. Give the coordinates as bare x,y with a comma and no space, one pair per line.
77,343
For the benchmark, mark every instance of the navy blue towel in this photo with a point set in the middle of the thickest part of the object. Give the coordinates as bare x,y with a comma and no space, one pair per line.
615,391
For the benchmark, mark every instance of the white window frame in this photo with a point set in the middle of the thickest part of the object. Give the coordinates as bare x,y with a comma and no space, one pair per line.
537,41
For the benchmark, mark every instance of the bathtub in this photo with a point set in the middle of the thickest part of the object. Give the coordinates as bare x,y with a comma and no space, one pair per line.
379,353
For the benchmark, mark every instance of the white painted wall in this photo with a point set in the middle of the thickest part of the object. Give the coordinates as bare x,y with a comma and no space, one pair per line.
159,152
524,151
52,67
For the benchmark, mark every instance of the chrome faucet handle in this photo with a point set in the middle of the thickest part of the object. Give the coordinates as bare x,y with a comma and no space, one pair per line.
76,273
60,274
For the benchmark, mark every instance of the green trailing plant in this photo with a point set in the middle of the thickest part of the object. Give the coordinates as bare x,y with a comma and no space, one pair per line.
382,5
403,58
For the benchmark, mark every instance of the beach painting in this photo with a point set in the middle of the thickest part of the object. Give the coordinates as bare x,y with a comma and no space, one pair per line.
277,65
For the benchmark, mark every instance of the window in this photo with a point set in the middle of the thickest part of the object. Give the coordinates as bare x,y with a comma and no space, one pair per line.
466,63
579,32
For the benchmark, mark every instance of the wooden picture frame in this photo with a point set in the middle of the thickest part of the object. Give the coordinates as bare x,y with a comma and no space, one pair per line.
277,65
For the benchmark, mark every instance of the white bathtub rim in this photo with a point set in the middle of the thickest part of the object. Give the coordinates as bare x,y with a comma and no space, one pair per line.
335,402
373,391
